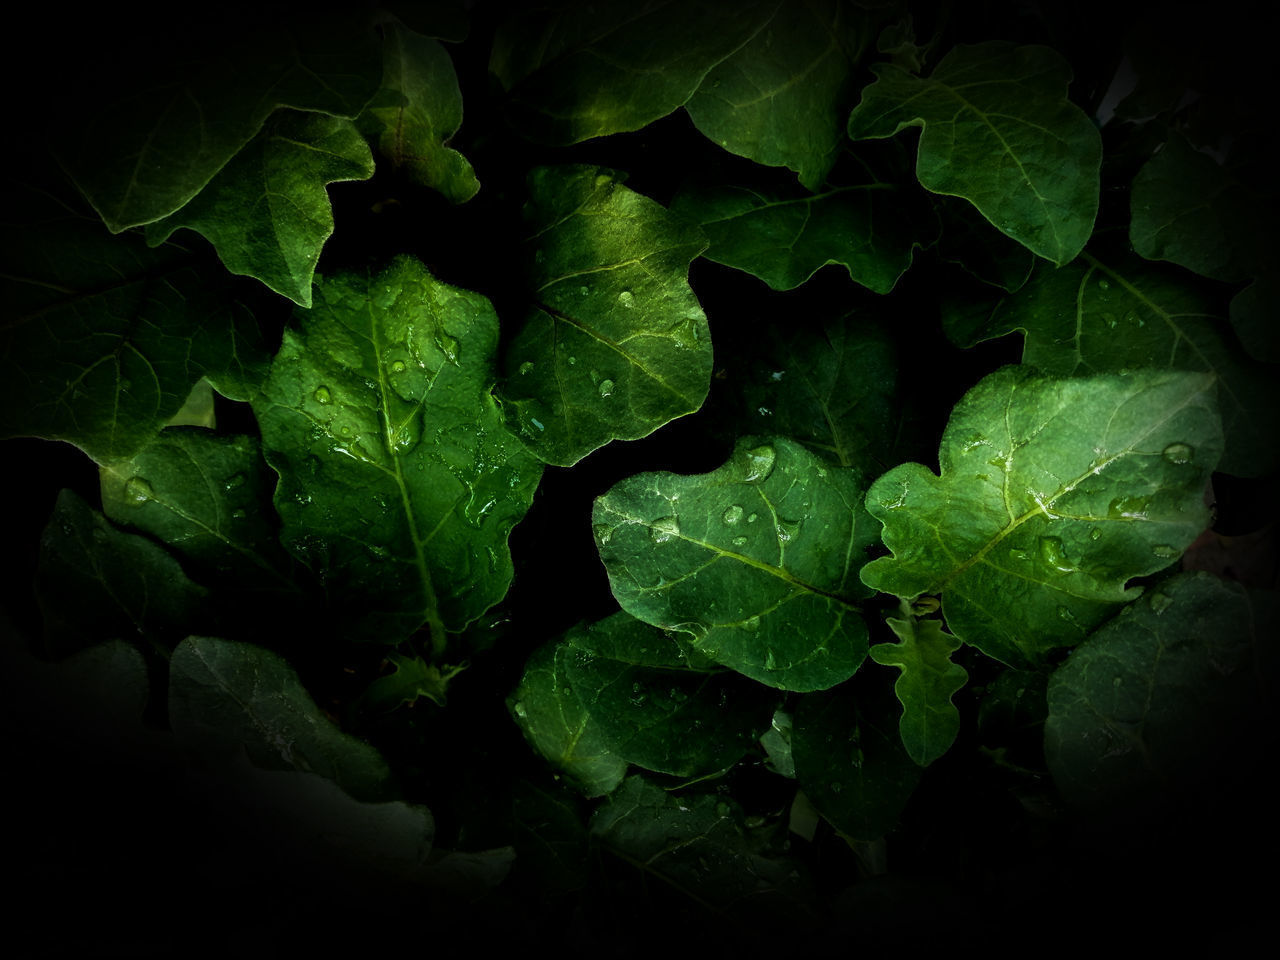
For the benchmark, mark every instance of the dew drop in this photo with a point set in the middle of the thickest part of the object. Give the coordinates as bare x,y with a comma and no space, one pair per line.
1179,453
606,388
786,531
603,180
234,482
764,411
397,366
752,518
602,532
760,461
732,514
448,345
1128,508
626,298
770,661
664,528
526,368
582,291
237,514
138,490
739,541
1160,602
1054,556
521,710
1166,552
1095,534
722,809
1104,285
323,395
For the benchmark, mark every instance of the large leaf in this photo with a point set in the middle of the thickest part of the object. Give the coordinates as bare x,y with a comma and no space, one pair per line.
651,709
266,212
104,338
758,561
928,681
227,697
572,76
998,131
1052,495
556,723
616,344
152,144
416,112
95,582
1150,701
785,238
398,482
782,97
1096,317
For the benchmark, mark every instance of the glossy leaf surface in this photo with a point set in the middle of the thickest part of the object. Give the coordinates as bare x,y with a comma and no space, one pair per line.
785,238
1109,317
1052,495
417,111
398,482
998,130
267,211
616,344
928,681
225,697
1151,699
758,561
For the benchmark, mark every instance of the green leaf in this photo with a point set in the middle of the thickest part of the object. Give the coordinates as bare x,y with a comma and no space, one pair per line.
1147,703
1052,495
227,697
551,837
572,77
1096,317
208,498
417,111
784,238
998,130
556,723
105,338
851,764
780,99
153,145
412,678
1253,310
198,409
651,710
984,252
95,582
616,344
757,560
267,212
777,744
928,681
398,482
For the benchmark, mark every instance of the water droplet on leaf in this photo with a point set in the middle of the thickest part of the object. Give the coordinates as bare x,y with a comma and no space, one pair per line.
626,298
138,490
526,368
323,395
739,541
448,345
1179,453
760,461
1052,553
732,514
664,528
1166,552
606,388
397,366
1128,508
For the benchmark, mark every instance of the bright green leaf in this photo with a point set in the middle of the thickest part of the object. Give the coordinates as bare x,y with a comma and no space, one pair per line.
1096,317
398,482
1052,495
782,97
785,238
227,697
928,681
416,112
616,344
198,409
757,560
572,77
148,149
412,678
1148,702
998,131
267,212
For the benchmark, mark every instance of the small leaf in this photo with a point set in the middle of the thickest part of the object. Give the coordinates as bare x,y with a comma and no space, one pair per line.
1052,495
267,212
999,131
412,678
928,681
757,561
616,344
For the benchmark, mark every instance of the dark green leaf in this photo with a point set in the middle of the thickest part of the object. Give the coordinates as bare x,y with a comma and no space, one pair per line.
417,112
928,681
551,838
998,131
398,482
777,744
1052,495
1146,704
227,697
267,212
785,238
757,560
1253,313
617,344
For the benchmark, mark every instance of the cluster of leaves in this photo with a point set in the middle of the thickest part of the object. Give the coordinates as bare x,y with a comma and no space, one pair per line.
306,553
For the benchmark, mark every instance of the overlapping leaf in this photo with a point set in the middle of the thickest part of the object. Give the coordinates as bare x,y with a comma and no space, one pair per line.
928,681
416,112
1150,701
785,239
616,344
1096,317
398,482
105,338
267,212
758,561
1052,495
154,144
998,131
